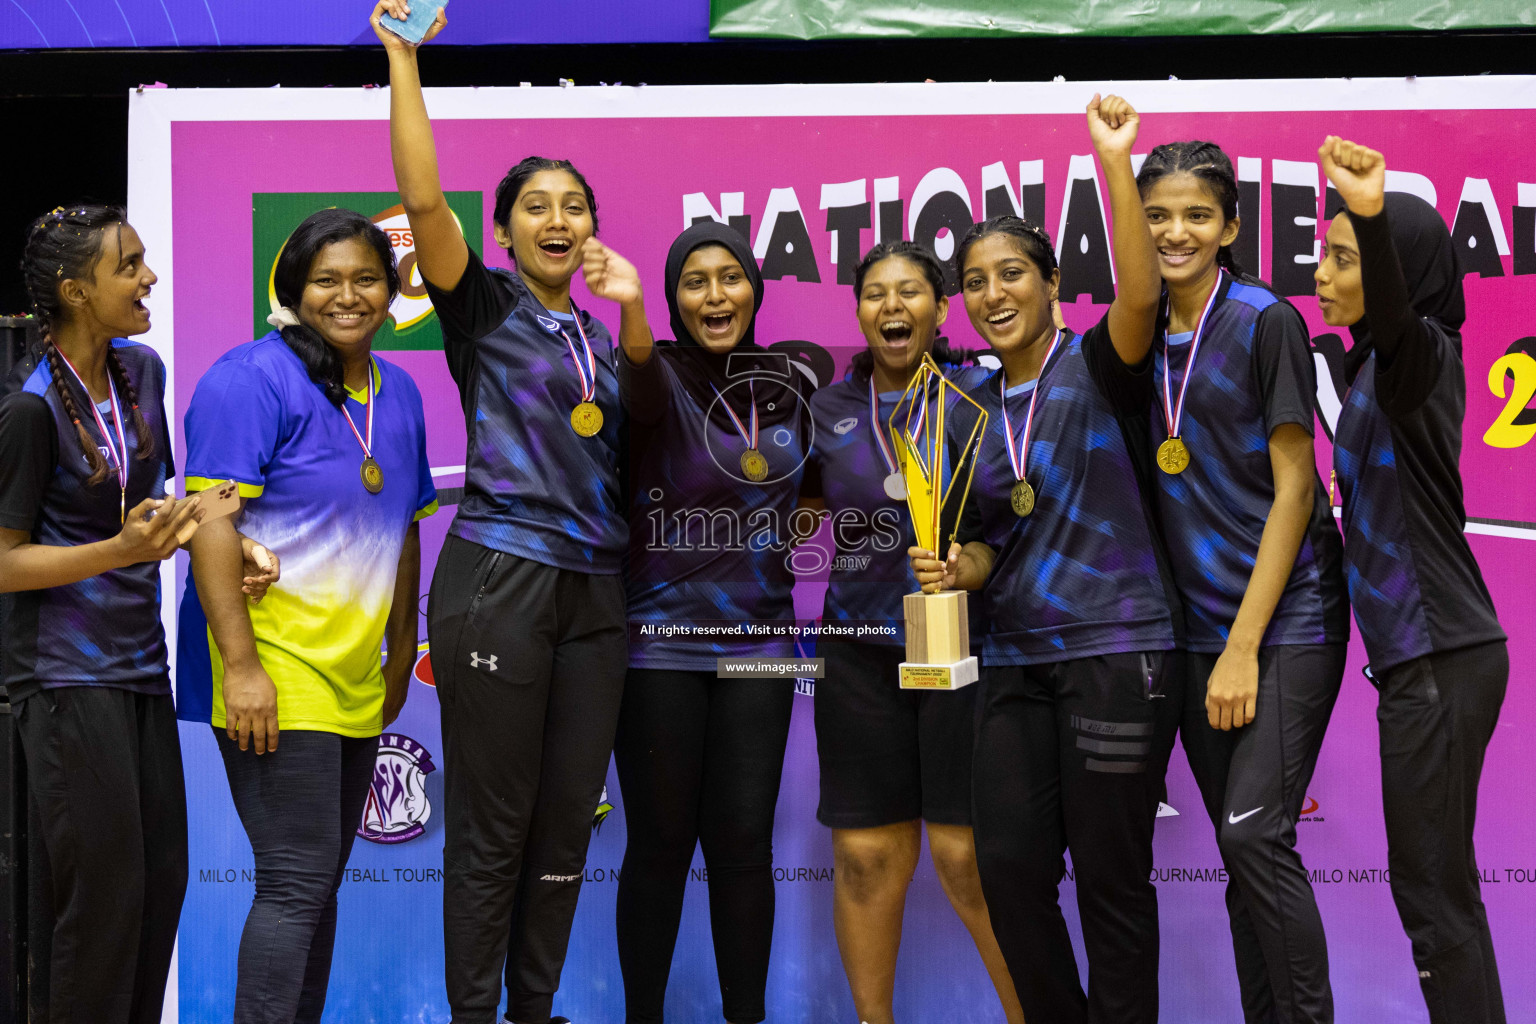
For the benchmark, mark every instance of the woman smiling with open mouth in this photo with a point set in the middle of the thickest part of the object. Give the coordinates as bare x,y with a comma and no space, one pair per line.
720,428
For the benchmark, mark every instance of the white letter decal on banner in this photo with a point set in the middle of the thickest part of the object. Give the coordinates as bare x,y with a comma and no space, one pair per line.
696,207
887,210
1082,237
931,213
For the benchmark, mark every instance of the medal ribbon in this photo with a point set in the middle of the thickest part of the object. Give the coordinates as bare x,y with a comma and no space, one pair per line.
119,457
586,372
886,455
367,445
750,437
1174,417
1018,454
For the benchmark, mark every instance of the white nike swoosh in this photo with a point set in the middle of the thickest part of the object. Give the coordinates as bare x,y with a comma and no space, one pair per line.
1233,819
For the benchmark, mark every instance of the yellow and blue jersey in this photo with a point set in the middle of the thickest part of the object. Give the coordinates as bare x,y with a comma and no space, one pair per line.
258,419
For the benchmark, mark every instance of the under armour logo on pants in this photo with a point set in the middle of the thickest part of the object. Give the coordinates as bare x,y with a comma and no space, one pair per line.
489,661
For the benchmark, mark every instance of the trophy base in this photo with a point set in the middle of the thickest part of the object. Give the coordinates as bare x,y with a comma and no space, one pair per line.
917,676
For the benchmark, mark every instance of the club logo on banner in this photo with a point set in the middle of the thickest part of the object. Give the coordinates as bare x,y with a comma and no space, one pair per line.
274,215
397,810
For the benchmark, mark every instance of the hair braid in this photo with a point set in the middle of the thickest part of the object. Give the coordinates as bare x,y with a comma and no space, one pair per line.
145,446
88,445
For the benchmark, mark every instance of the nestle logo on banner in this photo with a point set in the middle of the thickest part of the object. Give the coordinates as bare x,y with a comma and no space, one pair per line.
397,810
276,214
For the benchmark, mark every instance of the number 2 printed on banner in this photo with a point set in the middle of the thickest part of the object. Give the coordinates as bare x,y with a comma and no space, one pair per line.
1508,430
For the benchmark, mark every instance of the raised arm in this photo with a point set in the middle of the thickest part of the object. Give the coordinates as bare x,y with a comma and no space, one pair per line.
1397,332
441,251
1113,124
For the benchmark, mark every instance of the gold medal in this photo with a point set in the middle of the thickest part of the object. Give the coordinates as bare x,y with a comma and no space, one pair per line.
753,465
1173,456
587,419
373,476
1022,498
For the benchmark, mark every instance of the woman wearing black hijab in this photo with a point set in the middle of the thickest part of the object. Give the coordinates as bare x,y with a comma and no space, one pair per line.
1438,654
720,429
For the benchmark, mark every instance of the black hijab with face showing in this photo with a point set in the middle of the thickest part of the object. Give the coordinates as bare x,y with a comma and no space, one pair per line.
1424,251
704,372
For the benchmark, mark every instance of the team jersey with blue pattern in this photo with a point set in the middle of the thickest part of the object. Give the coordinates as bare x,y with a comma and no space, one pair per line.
1253,373
1413,580
533,487
709,571
256,418
104,630
1080,575
870,530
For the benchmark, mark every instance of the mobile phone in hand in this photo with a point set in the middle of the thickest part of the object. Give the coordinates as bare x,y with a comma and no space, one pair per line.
213,503
415,26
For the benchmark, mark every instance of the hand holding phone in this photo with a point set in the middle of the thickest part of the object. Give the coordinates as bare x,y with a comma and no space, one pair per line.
212,503
418,21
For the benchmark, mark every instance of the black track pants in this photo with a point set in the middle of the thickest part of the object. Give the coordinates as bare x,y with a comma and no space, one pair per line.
1437,714
699,763
1073,755
1254,782
104,774
529,662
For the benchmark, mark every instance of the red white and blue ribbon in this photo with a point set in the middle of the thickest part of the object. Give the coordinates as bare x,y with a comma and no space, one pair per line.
1173,416
887,456
586,372
367,445
119,453
1018,453
749,435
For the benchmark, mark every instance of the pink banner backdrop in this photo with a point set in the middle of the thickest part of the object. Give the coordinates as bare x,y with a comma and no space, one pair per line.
798,170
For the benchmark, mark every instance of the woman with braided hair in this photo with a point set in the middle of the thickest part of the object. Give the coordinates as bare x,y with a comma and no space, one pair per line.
85,457
1257,559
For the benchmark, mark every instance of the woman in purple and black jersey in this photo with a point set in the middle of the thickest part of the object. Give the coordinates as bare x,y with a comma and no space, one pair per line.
1075,725
85,520
526,615
1256,555
1438,654
719,432
891,759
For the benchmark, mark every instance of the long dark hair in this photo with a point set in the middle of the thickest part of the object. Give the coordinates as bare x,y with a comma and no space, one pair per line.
863,363
292,273
511,186
65,244
1206,161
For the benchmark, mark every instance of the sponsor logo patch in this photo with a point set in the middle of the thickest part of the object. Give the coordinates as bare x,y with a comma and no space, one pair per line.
397,810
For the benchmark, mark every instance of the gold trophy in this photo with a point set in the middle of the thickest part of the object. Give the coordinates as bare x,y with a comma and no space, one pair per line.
938,629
